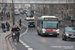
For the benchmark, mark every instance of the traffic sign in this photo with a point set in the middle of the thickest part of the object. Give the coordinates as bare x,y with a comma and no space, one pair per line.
41,7
57,6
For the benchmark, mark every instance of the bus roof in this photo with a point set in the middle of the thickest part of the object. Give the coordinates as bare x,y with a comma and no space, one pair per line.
48,16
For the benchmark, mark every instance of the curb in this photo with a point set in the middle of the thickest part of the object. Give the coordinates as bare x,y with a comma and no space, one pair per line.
7,41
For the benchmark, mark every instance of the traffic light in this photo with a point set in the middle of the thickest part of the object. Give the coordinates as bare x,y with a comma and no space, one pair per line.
67,9
62,9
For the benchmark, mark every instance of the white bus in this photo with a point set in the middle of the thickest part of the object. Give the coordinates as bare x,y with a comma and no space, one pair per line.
30,14
48,25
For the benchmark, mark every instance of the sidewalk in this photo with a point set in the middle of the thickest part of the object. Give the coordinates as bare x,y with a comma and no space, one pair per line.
3,45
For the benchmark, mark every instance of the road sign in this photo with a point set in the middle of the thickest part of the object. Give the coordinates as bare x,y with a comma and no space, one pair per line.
41,7
57,6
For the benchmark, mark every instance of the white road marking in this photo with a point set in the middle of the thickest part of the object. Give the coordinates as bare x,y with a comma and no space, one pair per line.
66,24
28,47
24,44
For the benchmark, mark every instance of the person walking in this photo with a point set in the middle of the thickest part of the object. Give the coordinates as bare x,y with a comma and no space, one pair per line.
20,22
13,32
2,18
8,15
3,26
72,20
17,29
8,26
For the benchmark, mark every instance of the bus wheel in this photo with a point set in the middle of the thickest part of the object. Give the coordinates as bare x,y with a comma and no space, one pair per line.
55,35
42,35
38,34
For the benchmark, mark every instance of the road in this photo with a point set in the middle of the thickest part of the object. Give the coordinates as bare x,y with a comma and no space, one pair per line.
37,42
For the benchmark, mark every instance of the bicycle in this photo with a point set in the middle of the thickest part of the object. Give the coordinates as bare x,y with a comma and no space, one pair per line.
17,36
13,36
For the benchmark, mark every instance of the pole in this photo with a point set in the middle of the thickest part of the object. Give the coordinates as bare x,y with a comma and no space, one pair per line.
67,9
44,9
13,13
62,15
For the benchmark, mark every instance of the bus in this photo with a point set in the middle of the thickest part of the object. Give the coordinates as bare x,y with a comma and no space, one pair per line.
30,14
48,25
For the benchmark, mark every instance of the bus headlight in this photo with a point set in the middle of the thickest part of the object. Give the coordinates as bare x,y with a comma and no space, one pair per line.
58,32
43,30
67,34
33,16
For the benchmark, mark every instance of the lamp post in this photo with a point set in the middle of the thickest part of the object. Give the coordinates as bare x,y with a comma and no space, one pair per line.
13,13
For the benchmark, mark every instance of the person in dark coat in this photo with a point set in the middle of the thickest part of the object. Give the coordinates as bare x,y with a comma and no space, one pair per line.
13,30
8,26
2,18
8,15
3,26
17,29
20,22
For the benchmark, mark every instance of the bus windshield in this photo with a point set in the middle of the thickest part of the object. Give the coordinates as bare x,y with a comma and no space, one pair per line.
50,24
30,14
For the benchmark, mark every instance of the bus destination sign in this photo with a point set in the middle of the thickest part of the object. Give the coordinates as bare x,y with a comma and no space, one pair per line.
53,19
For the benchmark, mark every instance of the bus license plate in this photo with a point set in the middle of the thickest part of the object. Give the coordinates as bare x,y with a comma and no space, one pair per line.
50,34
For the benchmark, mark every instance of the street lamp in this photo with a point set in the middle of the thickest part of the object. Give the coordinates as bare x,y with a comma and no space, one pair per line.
13,13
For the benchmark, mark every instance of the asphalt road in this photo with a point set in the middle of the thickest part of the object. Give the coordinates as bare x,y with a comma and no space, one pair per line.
43,43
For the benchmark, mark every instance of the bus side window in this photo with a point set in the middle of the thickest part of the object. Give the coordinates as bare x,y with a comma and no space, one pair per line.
57,25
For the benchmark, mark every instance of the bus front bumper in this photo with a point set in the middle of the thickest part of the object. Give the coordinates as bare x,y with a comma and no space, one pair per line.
52,33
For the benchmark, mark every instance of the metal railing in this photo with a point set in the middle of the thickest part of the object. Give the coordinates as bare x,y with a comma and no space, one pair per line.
39,1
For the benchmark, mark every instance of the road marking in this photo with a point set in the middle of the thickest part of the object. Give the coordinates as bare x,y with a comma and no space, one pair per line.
66,24
27,46
30,49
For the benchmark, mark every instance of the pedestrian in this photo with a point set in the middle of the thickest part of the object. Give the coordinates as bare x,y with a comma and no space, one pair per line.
8,26
13,32
3,27
20,22
2,18
72,20
8,15
17,29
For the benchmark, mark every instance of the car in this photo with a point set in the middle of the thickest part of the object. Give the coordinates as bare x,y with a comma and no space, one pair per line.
17,12
21,12
68,33
31,24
